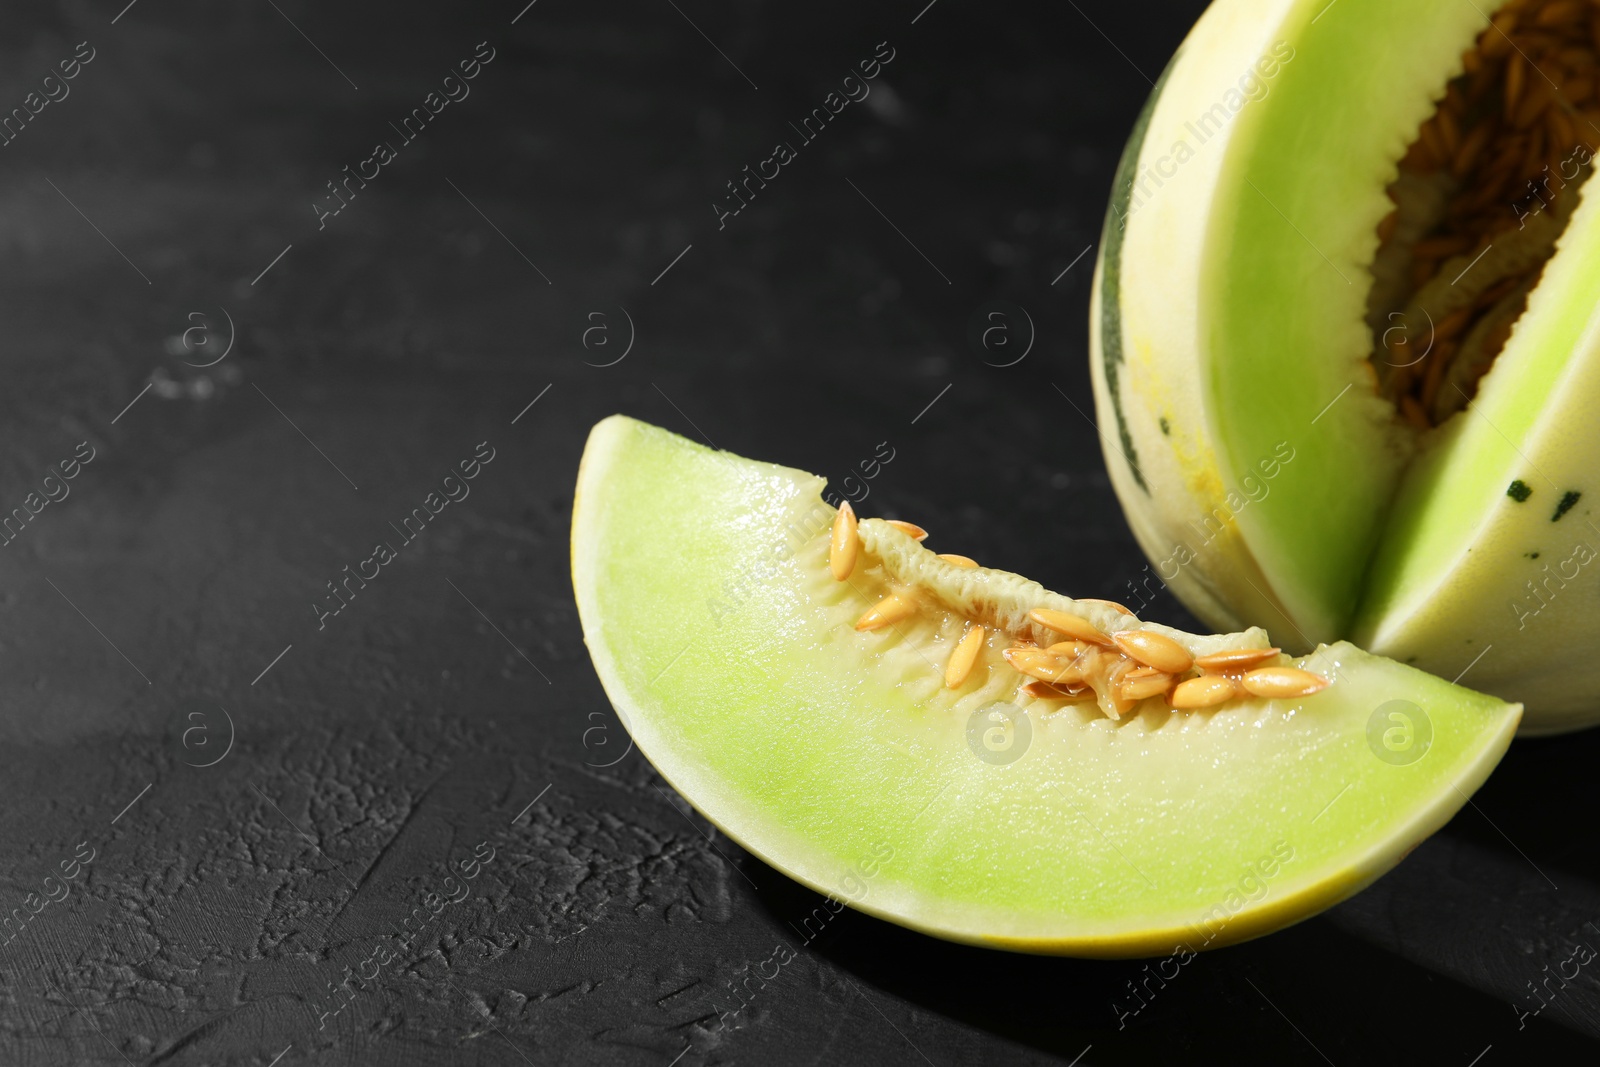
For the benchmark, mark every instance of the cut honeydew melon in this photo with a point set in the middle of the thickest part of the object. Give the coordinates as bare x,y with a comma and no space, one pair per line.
978,813
1294,416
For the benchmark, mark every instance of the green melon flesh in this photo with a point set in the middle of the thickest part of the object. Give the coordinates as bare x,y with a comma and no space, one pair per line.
839,758
1229,330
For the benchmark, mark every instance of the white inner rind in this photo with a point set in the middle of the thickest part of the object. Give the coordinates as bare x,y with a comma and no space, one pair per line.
1210,568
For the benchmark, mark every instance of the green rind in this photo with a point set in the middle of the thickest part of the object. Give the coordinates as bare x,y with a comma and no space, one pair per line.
701,582
1110,273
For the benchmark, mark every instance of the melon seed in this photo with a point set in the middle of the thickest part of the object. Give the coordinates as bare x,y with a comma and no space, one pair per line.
1037,663
1073,626
888,611
1154,650
1084,667
845,543
1283,682
1138,685
962,659
910,529
1205,691
1235,659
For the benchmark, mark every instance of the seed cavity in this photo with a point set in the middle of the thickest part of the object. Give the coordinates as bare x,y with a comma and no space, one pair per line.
845,543
1144,683
965,655
1121,672
1481,198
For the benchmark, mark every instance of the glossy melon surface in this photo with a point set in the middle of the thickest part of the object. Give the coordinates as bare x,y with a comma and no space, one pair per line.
978,814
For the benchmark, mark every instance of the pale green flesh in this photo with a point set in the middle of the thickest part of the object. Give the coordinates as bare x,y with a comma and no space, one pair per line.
1293,232
703,586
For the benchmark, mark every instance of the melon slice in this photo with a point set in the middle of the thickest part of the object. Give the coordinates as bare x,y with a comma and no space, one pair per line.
1345,340
978,813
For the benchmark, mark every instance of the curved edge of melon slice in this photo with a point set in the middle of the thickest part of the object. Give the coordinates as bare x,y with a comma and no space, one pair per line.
736,810
1275,914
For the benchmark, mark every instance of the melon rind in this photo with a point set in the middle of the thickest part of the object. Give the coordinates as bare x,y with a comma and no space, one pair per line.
1228,329
840,759
1160,439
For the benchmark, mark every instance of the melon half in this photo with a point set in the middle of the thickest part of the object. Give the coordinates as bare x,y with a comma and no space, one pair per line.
1345,338
852,759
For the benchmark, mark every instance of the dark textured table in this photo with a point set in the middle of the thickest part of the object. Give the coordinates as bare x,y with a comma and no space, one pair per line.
244,827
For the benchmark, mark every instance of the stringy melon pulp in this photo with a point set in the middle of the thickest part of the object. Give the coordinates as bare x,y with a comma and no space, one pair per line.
1483,193
840,758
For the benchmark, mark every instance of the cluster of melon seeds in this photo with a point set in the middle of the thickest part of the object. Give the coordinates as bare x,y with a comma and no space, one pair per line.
1082,664
1481,197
